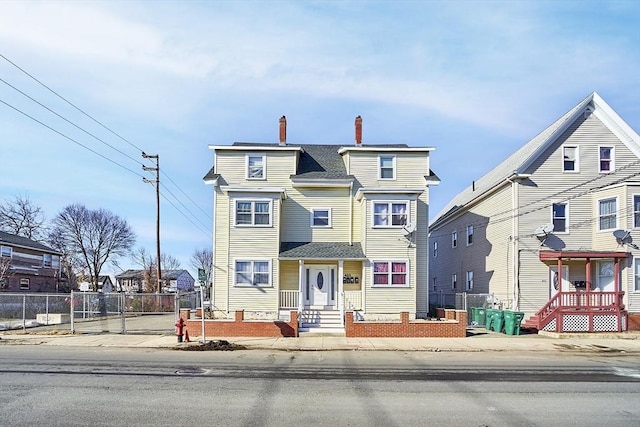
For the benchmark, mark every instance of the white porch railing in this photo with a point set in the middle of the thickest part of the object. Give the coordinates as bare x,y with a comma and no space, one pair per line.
289,299
353,300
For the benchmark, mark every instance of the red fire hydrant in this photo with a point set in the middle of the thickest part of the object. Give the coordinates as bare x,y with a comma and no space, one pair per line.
179,328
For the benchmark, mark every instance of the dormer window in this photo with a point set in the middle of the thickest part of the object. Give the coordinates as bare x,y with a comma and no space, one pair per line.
387,167
570,159
256,166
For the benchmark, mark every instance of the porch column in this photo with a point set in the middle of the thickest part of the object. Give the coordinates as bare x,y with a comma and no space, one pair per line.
616,288
340,295
587,266
560,314
301,277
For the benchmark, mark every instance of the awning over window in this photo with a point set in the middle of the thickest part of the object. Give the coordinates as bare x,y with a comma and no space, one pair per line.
565,255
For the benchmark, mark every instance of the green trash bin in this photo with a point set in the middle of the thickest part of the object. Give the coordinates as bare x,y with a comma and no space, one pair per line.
479,315
509,322
497,321
488,317
519,317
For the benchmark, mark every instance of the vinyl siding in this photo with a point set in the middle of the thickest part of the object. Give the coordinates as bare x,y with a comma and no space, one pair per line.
289,275
354,269
280,165
410,169
297,211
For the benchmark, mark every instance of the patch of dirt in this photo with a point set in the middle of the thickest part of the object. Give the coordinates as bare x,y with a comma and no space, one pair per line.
220,345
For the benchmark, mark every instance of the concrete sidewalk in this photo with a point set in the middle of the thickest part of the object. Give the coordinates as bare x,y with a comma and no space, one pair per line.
478,340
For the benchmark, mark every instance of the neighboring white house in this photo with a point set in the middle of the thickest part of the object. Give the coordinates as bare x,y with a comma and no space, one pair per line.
133,281
321,229
567,201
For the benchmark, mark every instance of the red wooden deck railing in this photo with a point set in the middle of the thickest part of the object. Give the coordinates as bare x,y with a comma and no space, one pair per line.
586,302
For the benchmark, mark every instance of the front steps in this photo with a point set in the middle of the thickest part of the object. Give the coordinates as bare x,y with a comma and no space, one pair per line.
322,322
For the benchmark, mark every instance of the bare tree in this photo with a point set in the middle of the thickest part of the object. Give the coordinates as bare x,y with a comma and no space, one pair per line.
5,271
21,217
147,262
203,259
70,262
93,236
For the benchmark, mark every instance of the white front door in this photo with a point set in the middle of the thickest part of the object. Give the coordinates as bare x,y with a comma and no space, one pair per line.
555,284
319,286
605,277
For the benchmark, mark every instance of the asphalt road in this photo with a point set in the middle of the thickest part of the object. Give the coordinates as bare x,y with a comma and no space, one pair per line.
83,386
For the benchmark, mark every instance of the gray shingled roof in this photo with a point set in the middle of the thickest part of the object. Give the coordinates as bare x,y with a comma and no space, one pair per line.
321,250
211,175
13,239
139,274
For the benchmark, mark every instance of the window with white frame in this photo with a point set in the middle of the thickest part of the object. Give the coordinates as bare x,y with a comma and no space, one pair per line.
454,281
636,275
636,211
390,214
469,280
570,159
253,213
469,235
24,283
253,273
5,251
321,217
606,159
46,260
454,239
607,214
560,217
387,167
256,166
391,273
435,249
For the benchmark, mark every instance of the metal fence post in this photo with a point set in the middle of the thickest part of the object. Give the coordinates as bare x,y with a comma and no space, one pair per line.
71,307
24,312
123,322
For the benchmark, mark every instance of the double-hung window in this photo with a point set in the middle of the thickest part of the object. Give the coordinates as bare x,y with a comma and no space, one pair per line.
469,235
606,159
387,167
391,273
390,214
570,159
636,211
253,213
256,166
321,217
560,217
469,280
454,239
46,260
435,249
5,251
607,214
253,273
454,281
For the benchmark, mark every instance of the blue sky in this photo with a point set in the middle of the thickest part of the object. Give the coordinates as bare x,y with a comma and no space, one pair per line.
474,79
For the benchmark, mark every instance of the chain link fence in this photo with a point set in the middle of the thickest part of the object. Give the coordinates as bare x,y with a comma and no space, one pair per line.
94,312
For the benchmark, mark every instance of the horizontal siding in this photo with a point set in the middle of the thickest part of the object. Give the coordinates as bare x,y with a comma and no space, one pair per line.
354,269
233,168
297,211
289,275
410,169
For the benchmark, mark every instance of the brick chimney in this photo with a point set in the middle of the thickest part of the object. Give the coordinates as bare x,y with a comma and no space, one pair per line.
283,130
358,130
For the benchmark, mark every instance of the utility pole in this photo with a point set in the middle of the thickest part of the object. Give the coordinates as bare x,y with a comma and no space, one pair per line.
156,158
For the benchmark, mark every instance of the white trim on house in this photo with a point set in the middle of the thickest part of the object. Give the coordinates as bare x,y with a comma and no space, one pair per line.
576,159
566,216
392,157
633,209
253,212
252,261
235,189
312,218
263,160
386,149
598,216
254,148
390,262
390,214
612,159
364,191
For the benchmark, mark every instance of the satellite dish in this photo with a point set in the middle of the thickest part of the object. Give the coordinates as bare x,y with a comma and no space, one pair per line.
409,229
622,236
543,231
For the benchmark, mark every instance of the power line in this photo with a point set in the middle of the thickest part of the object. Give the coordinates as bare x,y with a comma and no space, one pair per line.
70,103
70,122
70,139
182,204
185,194
186,217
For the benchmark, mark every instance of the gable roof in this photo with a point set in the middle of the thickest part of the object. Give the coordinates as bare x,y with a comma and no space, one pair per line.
139,274
23,242
519,161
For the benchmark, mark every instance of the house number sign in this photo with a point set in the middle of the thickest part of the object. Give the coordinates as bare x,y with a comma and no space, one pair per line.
350,279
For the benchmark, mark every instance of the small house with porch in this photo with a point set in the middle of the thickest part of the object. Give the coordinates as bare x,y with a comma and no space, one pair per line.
553,230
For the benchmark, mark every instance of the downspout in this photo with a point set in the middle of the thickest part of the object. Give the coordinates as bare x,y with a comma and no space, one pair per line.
351,214
515,226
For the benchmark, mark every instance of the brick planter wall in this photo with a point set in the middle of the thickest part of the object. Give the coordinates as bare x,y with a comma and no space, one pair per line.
244,328
455,326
